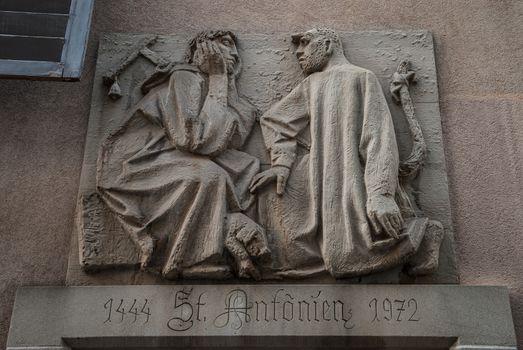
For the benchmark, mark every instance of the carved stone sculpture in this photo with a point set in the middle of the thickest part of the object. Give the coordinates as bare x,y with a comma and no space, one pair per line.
173,174
351,171
205,188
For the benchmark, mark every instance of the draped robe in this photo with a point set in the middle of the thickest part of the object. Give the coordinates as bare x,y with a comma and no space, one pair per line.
173,170
353,157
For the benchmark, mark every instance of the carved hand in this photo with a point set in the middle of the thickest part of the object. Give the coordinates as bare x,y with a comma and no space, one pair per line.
384,215
210,58
278,173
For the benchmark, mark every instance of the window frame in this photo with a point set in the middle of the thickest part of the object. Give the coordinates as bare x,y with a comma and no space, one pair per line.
73,52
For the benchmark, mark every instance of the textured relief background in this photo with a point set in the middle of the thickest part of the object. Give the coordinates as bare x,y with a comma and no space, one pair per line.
479,55
270,71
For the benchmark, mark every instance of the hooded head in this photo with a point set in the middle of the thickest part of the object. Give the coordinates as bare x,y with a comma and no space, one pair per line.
225,40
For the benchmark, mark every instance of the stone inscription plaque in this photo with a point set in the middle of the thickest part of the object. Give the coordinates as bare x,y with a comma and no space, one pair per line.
198,308
83,316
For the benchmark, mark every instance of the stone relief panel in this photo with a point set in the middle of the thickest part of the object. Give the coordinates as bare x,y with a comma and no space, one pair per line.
315,155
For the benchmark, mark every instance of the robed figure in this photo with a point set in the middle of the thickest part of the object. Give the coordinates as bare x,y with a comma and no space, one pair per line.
173,174
338,200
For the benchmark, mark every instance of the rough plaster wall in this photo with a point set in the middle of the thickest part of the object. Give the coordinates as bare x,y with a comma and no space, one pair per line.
479,55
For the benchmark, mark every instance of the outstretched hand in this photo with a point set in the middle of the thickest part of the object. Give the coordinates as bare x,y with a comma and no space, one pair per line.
280,174
385,216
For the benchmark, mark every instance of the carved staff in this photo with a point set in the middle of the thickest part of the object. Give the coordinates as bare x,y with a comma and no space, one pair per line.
399,87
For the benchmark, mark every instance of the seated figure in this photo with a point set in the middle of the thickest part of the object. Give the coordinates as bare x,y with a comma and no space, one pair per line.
173,174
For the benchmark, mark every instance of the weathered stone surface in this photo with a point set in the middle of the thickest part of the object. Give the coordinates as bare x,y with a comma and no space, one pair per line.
479,63
257,316
270,72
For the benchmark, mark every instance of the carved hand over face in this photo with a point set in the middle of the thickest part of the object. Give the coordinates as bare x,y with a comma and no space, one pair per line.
384,215
209,58
278,173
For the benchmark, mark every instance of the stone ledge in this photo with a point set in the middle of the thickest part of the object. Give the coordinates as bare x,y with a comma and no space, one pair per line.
257,316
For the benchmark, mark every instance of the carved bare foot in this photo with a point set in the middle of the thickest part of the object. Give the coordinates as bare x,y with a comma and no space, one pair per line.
248,270
146,251
426,260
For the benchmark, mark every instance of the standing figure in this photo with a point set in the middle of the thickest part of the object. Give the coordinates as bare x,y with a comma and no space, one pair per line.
342,209
173,174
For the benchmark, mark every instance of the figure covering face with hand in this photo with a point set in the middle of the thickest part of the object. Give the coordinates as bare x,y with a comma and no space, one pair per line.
350,175
173,174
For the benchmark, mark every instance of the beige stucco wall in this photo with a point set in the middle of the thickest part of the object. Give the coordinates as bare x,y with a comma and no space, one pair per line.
479,54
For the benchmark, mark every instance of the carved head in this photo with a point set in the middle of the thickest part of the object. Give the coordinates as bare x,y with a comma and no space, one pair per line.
316,47
255,242
225,41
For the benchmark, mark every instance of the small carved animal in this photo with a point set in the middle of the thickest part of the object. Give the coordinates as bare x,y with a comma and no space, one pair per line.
245,240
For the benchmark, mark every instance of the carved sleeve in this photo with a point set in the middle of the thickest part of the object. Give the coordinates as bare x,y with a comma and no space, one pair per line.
195,121
378,148
283,122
